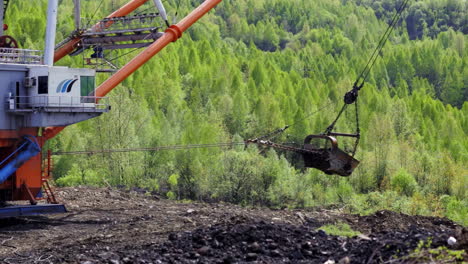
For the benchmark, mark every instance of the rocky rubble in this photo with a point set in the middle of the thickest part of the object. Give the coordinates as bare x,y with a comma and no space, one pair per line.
263,242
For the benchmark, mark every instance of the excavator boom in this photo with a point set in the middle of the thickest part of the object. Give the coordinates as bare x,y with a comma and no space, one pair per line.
172,34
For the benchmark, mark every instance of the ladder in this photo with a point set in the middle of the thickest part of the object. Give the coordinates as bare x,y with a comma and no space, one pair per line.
46,175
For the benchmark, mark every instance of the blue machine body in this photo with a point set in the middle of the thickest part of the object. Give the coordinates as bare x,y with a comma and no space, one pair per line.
26,151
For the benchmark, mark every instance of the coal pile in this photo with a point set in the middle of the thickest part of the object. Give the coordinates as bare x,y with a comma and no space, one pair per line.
263,242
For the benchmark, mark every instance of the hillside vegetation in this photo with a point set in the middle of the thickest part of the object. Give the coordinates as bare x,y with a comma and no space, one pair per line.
253,66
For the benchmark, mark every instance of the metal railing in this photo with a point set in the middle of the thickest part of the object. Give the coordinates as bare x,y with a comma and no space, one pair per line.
151,20
62,103
20,56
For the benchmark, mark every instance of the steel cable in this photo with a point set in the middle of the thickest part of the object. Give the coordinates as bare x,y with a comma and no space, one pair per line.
158,148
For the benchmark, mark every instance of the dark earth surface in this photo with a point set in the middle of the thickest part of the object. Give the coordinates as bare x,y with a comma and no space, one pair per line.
118,226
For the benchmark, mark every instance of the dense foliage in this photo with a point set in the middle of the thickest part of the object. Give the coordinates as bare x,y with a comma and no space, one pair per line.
424,18
253,66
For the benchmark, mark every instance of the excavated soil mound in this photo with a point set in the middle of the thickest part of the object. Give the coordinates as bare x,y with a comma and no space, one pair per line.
118,226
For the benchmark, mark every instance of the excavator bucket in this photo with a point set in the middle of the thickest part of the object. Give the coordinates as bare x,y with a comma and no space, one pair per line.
329,159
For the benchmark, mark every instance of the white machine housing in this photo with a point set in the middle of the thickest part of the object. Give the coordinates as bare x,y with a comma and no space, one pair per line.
44,96
60,87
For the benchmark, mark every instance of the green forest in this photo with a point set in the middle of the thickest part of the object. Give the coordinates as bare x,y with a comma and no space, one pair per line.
253,66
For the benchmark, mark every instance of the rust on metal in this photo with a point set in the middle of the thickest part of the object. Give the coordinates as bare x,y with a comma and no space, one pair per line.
331,160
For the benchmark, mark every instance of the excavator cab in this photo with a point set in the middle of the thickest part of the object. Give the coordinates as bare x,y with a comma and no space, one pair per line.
328,158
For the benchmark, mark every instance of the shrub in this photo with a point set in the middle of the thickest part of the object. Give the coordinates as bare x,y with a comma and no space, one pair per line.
75,176
150,184
455,209
344,191
403,183
173,182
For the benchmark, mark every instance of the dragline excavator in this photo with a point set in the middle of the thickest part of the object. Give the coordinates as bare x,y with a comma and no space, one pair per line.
42,99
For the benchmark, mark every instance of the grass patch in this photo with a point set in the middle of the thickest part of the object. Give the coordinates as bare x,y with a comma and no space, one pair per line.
424,254
339,229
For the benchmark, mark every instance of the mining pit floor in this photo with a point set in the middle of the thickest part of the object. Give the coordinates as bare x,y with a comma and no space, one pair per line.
115,226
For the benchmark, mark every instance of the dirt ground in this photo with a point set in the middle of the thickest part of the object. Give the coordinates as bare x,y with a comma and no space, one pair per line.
120,226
